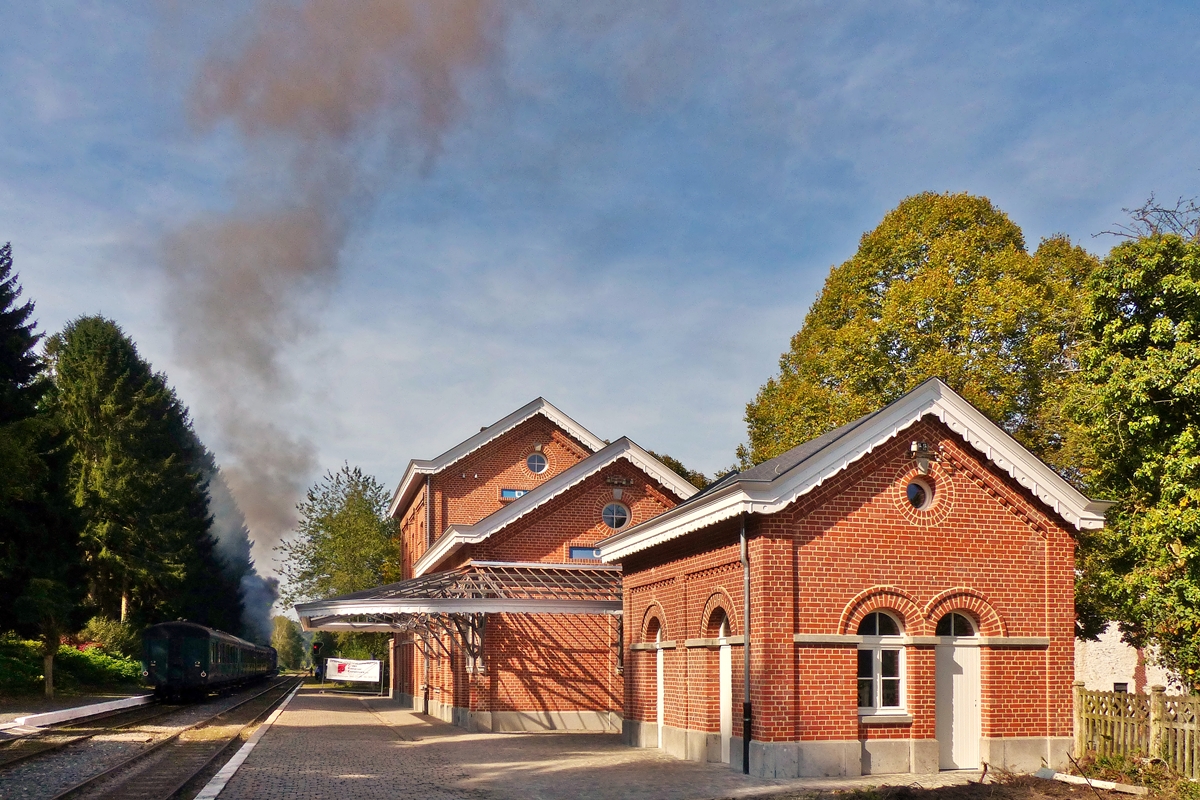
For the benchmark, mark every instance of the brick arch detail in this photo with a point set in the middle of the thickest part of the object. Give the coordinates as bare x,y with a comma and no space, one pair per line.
882,598
718,600
974,602
653,612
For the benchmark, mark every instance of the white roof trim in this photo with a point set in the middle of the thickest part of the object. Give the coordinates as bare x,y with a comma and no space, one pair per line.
457,536
418,468
932,398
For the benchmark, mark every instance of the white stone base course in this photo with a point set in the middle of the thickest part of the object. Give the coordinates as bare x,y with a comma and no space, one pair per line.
847,758
532,721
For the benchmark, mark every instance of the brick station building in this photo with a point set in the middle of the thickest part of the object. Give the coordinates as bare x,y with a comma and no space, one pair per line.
505,618
906,601
898,592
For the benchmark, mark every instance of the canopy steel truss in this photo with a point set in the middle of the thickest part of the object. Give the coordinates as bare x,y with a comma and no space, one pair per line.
457,602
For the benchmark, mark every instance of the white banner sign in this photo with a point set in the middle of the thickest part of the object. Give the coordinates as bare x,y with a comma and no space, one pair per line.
343,669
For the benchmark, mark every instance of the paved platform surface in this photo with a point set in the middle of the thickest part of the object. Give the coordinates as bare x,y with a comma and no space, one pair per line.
327,745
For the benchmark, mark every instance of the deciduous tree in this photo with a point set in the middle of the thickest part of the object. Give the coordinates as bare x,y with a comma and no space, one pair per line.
943,287
1140,402
344,541
288,642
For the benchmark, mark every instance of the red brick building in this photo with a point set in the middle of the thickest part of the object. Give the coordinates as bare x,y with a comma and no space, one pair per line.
505,619
905,598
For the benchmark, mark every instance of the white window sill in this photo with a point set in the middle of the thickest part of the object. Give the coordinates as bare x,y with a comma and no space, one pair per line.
890,717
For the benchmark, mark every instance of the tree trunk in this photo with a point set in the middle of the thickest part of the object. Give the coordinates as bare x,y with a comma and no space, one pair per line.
48,670
124,604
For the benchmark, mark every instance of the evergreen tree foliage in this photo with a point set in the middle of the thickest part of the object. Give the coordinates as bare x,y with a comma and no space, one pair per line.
40,559
288,642
22,381
344,541
943,287
1140,401
135,478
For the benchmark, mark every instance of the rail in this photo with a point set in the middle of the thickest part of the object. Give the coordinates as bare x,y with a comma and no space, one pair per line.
59,736
190,758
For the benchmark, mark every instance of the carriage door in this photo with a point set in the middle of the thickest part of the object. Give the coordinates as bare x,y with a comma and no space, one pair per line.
725,686
958,714
176,668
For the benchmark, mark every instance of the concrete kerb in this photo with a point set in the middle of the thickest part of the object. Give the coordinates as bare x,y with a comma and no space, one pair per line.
217,784
69,714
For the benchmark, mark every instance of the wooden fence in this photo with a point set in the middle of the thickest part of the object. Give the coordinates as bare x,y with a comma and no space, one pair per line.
1120,723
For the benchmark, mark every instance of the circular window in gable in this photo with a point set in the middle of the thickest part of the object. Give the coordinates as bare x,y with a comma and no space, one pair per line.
920,494
615,516
536,462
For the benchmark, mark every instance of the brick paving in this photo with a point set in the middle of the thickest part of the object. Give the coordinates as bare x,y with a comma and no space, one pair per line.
339,746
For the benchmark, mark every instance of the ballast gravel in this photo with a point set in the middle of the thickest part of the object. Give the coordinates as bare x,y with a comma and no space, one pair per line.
46,775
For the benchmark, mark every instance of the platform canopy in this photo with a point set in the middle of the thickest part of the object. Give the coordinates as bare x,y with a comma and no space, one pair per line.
478,587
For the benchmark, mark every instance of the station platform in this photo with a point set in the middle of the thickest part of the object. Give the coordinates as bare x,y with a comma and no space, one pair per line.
331,745
12,708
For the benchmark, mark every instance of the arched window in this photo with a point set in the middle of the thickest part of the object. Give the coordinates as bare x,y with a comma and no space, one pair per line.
954,624
880,664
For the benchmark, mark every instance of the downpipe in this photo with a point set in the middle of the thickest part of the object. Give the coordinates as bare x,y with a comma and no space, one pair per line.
746,715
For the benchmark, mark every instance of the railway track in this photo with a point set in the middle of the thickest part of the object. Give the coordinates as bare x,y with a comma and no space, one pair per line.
161,770
60,736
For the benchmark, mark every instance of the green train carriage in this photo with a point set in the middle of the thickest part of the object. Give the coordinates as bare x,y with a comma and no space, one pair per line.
185,659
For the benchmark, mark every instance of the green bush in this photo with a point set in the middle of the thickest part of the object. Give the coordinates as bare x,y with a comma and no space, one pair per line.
74,670
118,638
20,665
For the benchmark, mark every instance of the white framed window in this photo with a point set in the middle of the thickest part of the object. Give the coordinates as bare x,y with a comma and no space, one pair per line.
920,493
880,665
577,553
954,624
615,516
537,463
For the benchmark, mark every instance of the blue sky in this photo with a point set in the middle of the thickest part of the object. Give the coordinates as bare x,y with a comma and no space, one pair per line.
628,213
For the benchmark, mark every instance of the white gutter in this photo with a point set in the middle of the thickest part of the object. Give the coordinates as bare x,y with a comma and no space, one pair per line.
419,467
932,398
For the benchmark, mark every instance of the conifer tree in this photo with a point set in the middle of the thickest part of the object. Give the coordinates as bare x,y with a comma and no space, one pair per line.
136,480
40,560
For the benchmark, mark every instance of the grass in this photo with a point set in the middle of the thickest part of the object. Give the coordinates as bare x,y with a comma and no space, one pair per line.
75,671
1151,773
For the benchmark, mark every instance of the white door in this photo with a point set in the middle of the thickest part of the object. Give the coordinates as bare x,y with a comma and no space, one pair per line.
658,654
725,686
958,717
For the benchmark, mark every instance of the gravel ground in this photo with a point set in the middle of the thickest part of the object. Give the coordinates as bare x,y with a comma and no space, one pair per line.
45,776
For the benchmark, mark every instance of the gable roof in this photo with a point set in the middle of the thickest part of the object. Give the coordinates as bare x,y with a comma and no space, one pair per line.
458,536
772,485
417,468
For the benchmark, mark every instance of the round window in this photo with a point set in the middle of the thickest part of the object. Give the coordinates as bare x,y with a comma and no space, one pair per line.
920,494
537,463
615,516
